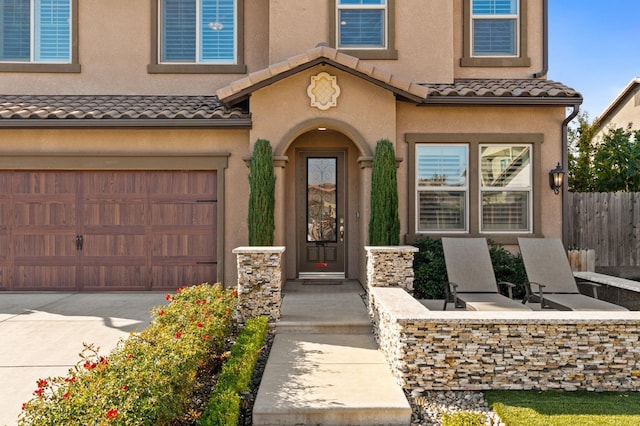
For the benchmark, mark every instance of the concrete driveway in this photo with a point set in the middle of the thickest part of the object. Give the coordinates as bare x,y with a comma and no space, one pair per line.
41,335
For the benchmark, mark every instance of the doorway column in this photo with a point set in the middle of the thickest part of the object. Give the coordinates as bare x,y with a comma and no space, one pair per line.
279,163
365,164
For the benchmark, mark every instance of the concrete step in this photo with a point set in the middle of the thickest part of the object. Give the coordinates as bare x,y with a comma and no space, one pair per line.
324,327
328,379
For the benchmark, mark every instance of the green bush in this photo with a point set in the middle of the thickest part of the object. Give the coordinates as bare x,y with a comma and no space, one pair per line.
149,377
235,377
463,418
430,271
262,187
384,222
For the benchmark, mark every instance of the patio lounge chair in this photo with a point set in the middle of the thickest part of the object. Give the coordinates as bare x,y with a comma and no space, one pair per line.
471,278
547,266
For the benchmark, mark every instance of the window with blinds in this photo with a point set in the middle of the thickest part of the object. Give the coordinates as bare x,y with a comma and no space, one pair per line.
505,188
442,188
198,31
495,27
362,24
35,31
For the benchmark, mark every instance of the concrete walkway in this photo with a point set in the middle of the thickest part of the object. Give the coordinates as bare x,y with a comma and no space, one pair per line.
324,367
41,335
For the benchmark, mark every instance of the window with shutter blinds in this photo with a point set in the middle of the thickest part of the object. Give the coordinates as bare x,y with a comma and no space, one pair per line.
495,27
362,24
442,188
506,188
45,38
198,31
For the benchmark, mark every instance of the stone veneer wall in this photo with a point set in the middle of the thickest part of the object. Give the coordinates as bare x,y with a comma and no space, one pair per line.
390,266
259,282
445,350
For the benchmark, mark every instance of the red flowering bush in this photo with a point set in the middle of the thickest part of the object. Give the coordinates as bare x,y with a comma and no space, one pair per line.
148,378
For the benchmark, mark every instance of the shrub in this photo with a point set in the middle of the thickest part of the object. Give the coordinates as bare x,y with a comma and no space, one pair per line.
463,418
384,222
224,403
430,271
262,184
149,377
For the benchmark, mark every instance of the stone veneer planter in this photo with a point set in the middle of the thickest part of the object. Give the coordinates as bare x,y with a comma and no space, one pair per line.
390,266
259,282
464,350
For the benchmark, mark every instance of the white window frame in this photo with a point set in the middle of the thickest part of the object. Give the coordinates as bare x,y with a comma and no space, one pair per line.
426,188
509,17
385,33
198,39
488,189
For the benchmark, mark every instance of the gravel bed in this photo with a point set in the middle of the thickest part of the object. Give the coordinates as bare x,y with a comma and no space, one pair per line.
429,406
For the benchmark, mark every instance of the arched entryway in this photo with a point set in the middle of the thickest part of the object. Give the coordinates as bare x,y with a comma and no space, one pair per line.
323,208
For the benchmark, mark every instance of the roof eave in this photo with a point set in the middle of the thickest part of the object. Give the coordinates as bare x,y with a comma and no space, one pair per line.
504,101
243,94
21,123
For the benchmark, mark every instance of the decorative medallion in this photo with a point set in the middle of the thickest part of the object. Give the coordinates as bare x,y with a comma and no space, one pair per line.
323,91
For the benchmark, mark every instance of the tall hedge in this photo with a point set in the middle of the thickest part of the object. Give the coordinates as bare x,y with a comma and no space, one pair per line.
262,185
384,222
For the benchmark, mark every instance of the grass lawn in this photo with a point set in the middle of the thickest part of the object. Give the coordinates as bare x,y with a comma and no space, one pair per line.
555,408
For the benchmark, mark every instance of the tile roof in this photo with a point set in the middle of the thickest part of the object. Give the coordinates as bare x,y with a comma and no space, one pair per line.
115,107
501,90
243,87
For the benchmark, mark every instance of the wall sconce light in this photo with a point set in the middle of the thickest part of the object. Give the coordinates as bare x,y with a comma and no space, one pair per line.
556,178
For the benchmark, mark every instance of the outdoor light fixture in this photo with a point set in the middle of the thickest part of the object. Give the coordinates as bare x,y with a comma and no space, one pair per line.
556,177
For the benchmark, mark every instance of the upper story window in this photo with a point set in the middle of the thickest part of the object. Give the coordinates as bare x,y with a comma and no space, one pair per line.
193,36
365,28
495,33
494,27
37,32
362,24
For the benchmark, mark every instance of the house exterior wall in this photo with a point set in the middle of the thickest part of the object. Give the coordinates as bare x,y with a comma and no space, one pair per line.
625,114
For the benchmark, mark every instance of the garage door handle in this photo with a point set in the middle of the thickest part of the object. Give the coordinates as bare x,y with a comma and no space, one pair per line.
79,242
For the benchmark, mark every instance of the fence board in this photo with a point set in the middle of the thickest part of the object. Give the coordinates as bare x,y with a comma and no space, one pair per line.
609,223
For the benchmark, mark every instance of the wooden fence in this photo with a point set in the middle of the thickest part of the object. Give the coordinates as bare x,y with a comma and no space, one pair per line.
608,222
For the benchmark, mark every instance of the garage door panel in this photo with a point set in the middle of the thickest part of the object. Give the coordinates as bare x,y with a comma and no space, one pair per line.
41,211
185,182
44,276
107,275
184,245
43,183
123,245
115,213
174,276
54,247
191,213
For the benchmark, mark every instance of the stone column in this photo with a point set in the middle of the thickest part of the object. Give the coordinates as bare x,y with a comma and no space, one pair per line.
259,281
390,266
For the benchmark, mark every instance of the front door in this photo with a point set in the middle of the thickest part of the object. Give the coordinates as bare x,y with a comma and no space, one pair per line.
321,199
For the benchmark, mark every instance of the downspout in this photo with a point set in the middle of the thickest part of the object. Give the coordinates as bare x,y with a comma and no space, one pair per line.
545,40
565,166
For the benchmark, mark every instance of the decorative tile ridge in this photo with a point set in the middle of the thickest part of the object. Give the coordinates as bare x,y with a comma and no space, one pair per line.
391,249
258,250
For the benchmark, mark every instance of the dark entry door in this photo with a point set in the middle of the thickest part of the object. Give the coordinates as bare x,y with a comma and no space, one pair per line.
321,199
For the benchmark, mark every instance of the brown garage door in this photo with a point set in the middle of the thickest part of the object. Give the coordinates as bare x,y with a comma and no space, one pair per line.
107,230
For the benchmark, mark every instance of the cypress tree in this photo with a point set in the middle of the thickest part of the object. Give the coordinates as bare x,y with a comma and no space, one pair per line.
262,184
384,222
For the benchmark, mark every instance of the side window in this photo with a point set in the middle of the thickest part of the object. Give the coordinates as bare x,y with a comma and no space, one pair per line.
495,27
197,36
442,188
505,188
38,35
495,33
364,28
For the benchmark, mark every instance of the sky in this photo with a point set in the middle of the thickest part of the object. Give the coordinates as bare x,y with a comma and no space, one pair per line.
594,47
